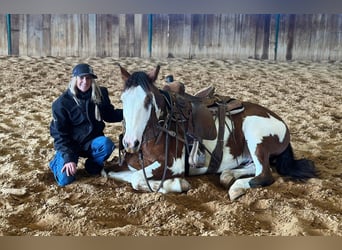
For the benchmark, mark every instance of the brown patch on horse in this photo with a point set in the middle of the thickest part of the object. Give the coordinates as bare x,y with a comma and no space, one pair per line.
156,152
269,146
236,140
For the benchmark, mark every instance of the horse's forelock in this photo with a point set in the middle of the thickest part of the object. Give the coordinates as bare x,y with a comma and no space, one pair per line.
138,79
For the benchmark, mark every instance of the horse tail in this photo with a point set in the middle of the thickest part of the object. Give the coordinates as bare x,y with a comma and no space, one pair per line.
301,169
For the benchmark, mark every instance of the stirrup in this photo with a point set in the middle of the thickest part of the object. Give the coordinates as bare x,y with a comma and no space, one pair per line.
196,157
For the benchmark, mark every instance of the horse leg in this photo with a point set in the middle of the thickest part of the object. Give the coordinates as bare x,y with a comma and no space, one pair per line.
123,176
228,176
239,188
263,174
175,185
139,181
260,168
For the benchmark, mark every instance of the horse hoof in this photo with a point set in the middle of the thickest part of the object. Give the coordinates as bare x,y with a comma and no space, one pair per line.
226,180
104,173
111,174
236,193
185,186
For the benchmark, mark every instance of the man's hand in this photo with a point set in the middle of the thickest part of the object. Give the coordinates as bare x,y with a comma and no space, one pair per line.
70,168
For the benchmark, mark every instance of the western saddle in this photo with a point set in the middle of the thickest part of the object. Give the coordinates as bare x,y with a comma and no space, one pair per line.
206,107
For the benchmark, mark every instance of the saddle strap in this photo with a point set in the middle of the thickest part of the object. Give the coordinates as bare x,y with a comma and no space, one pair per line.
217,154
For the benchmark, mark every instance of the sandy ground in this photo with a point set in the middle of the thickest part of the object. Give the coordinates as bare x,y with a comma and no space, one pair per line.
306,95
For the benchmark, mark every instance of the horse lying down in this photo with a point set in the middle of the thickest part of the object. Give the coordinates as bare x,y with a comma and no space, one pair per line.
169,136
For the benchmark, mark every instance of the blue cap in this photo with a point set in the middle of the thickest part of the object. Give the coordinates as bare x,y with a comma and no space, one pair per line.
83,69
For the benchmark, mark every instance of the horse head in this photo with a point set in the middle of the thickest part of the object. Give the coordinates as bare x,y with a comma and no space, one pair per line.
140,102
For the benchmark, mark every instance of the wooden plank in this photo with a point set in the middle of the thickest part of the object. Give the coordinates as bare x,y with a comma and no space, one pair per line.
46,35
272,36
83,41
71,35
197,35
34,35
92,35
335,37
212,35
58,35
115,32
248,34
144,53
103,35
87,42
227,38
137,34
282,38
54,35
290,37
299,39
160,35
262,36
126,42
16,28
107,34
3,39
179,36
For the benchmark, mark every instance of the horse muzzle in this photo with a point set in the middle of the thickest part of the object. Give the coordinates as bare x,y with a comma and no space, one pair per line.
131,147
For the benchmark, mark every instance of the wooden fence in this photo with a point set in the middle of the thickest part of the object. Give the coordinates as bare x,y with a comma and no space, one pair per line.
266,36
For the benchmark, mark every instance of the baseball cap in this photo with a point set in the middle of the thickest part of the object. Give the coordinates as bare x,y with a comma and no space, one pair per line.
83,69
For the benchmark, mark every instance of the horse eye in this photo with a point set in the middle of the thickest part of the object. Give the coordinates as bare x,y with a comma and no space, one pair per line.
148,101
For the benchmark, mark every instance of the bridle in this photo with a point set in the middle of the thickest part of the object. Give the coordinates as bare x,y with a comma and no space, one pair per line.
173,115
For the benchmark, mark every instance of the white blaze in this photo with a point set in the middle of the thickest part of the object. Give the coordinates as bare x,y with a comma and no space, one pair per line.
135,114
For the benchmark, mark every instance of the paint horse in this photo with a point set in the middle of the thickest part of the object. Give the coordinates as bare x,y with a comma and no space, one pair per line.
162,129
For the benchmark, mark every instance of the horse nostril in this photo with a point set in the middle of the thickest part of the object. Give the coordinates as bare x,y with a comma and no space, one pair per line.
136,143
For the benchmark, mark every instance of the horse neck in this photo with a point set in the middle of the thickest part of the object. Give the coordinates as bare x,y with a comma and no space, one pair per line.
152,130
169,120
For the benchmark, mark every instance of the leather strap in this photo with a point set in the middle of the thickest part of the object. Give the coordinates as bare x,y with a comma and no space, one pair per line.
217,154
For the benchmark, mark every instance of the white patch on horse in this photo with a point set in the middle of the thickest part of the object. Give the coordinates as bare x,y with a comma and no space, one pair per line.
177,185
123,176
135,112
156,108
255,128
178,164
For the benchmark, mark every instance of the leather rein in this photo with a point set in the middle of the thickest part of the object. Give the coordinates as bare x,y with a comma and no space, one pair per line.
172,111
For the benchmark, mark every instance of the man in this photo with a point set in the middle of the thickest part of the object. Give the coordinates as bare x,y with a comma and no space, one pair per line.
78,124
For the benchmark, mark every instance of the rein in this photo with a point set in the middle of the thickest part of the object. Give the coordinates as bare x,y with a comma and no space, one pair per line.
166,129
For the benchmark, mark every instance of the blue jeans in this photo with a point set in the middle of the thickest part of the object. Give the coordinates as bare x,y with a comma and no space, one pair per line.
100,150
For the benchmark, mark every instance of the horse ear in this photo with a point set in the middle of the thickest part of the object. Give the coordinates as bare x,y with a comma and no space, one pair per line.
152,75
124,73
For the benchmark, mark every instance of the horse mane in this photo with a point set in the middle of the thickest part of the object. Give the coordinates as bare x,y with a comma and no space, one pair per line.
139,78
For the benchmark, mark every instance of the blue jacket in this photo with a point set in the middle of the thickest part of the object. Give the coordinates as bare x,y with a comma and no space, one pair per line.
74,126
